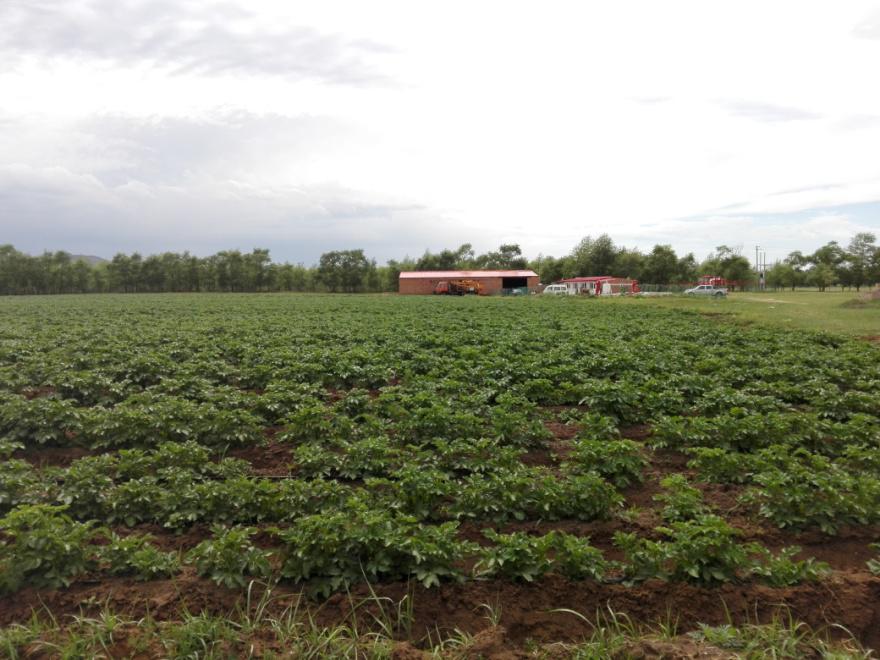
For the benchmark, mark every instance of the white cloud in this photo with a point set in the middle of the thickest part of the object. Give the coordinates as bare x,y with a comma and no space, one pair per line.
869,28
766,111
182,37
404,126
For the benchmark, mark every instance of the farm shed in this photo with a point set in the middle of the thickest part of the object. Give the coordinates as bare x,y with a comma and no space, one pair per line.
493,281
601,285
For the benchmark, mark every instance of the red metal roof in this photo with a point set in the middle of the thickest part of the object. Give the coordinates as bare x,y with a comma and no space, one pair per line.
463,274
594,278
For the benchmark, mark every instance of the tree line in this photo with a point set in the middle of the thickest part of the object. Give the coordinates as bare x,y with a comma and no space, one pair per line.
854,266
351,271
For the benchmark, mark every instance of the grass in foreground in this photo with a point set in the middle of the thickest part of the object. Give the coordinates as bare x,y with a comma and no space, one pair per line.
254,633
837,312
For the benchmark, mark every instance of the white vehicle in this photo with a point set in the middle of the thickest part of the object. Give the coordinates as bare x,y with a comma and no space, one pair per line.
556,289
707,290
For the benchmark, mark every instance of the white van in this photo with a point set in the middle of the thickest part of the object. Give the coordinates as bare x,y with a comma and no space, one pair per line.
556,289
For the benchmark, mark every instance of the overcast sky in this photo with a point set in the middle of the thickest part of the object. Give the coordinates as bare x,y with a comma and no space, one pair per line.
401,126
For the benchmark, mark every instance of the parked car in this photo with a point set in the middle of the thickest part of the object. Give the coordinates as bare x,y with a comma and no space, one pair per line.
707,290
556,289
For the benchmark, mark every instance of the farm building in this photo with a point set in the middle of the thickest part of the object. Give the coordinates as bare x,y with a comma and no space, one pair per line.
601,285
492,281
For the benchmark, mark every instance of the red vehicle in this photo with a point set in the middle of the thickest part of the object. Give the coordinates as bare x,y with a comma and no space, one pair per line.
713,280
721,283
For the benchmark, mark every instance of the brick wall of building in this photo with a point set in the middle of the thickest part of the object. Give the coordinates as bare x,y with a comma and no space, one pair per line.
424,286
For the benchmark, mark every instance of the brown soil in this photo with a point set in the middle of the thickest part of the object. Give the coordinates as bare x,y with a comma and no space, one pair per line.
638,432
663,462
168,540
37,392
681,648
555,450
538,457
561,431
52,456
272,459
849,550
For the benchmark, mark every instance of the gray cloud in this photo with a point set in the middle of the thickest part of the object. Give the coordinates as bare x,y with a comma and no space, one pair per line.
766,112
226,144
204,185
183,37
53,208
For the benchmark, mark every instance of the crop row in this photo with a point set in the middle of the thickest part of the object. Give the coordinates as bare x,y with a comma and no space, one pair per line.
44,547
177,485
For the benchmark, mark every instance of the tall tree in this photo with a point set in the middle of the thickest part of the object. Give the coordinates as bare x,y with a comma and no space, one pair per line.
687,269
822,276
782,275
728,262
594,256
861,255
628,263
661,265
345,270
507,257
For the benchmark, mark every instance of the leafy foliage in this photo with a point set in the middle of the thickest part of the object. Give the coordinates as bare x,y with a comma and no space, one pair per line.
681,501
619,461
42,546
705,549
230,557
516,555
135,555
365,430
333,550
783,570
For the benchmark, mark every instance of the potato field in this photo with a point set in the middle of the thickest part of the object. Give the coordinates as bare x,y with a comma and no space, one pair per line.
382,476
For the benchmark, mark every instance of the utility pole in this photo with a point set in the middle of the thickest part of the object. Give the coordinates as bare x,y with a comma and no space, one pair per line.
763,269
758,268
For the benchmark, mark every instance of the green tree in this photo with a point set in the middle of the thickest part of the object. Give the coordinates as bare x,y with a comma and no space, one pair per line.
459,259
782,275
392,273
798,263
687,268
345,270
593,256
255,270
629,263
507,257
727,262
821,276
830,254
861,257
661,265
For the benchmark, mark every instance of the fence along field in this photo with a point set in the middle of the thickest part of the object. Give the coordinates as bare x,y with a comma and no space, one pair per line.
167,455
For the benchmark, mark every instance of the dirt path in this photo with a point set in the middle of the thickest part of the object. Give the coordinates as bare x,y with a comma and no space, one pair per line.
774,300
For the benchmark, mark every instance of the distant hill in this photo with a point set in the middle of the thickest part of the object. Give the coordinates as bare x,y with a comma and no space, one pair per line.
89,259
